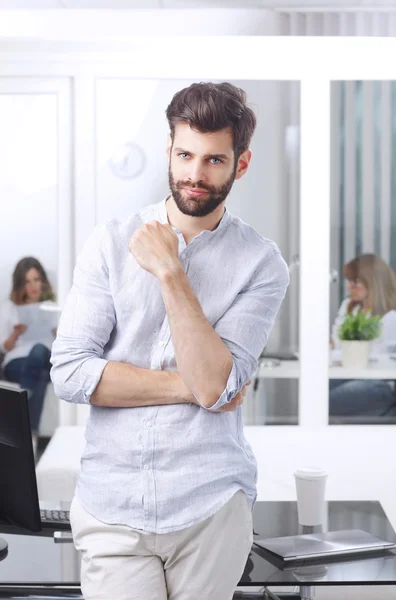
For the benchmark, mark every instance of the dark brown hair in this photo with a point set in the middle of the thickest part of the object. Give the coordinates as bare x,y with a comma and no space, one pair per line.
379,279
18,295
209,107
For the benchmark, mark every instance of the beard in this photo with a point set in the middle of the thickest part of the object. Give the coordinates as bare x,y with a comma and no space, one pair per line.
203,206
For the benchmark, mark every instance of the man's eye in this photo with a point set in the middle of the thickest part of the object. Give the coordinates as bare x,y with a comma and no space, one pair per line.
183,154
218,159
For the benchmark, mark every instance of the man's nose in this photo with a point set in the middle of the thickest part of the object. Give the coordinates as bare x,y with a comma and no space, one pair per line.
197,173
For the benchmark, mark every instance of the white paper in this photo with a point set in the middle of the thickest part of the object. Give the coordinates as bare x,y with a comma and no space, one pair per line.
40,323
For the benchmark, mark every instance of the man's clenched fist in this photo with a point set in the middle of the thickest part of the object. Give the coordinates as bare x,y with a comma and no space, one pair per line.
155,247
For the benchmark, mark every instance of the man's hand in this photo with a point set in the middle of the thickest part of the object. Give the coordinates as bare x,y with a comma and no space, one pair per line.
235,402
155,247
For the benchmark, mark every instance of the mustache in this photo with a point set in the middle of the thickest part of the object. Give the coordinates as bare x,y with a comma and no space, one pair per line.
182,185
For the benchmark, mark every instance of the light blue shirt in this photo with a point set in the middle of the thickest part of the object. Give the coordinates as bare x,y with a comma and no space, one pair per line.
167,467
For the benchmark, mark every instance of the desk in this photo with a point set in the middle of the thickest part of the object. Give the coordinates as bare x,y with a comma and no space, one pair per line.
272,519
382,368
36,567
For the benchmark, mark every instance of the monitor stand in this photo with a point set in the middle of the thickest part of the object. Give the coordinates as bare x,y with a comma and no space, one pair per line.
3,548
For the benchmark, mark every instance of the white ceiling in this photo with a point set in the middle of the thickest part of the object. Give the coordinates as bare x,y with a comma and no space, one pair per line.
278,5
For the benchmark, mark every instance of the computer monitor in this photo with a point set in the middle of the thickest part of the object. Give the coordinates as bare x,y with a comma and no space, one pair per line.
18,487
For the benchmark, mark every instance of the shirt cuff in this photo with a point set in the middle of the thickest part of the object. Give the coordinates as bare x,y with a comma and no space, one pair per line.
229,392
90,374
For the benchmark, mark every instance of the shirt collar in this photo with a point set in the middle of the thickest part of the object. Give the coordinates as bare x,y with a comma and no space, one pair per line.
163,217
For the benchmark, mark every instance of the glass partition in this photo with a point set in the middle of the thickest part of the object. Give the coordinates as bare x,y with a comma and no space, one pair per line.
362,328
30,190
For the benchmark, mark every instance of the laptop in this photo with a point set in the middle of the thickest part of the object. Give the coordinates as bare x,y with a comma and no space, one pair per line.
323,545
19,502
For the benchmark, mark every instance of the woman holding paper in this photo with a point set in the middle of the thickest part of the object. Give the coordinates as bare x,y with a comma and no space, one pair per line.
27,333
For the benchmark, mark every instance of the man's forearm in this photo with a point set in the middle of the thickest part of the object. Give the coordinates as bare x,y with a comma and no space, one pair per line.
124,385
203,360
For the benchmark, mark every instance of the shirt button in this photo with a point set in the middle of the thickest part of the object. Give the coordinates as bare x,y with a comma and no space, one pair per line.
161,343
183,256
146,467
148,424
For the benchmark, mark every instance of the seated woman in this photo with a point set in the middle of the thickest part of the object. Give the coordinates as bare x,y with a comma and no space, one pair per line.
27,333
372,288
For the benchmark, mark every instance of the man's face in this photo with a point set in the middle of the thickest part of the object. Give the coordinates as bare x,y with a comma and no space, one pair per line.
202,169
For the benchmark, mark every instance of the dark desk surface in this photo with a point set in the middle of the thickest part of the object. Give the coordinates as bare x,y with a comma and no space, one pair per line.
272,519
36,560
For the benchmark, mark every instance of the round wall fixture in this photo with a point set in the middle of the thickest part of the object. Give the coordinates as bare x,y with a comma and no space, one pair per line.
128,161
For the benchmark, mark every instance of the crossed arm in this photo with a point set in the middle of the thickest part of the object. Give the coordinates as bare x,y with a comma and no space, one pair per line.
204,361
123,385
76,357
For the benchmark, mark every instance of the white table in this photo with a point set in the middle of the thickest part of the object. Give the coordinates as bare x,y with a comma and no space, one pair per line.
382,368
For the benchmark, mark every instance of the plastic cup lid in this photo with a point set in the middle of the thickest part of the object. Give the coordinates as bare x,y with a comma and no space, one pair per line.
310,473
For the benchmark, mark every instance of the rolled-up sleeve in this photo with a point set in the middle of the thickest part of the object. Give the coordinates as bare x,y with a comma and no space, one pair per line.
247,324
85,326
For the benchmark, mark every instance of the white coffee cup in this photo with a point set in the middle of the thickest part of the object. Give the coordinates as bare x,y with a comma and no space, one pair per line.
310,487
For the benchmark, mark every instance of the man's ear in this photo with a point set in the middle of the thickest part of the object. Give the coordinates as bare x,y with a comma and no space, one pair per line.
243,163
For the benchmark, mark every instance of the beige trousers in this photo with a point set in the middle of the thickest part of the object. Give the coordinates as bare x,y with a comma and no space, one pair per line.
202,562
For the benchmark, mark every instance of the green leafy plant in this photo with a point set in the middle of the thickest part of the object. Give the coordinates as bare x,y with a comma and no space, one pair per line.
360,326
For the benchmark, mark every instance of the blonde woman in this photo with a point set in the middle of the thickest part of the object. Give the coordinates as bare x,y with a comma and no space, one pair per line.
371,288
27,334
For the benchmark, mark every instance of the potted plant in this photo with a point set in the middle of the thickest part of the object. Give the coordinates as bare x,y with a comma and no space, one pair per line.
356,333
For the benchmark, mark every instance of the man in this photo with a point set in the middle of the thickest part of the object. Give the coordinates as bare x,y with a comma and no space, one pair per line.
161,332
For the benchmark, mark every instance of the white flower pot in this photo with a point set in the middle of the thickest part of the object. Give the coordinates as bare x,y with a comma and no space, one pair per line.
355,353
